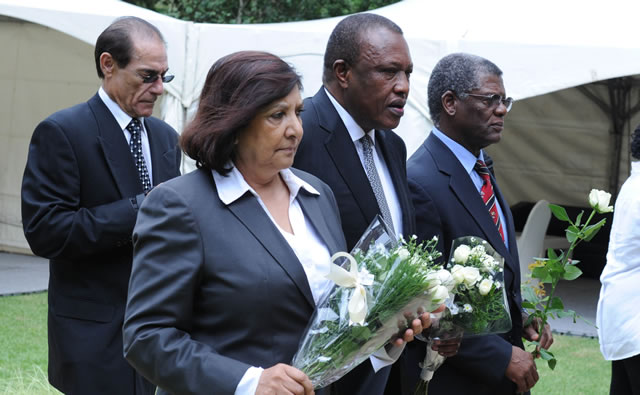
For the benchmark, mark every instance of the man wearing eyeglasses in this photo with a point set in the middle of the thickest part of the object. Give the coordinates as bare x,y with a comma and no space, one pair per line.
89,168
455,195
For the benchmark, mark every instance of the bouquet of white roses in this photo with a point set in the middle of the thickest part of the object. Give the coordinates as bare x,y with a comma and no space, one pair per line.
479,305
382,285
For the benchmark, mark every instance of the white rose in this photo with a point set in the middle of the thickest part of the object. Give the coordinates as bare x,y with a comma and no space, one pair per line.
457,274
446,279
599,201
439,294
433,279
403,253
461,254
485,286
471,275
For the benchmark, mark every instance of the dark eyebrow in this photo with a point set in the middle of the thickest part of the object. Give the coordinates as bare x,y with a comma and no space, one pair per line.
152,71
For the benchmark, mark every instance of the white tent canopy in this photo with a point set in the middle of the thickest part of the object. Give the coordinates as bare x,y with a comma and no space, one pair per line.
556,143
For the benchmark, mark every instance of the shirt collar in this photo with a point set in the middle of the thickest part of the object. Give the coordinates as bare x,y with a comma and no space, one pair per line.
466,158
355,131
121,117
232,186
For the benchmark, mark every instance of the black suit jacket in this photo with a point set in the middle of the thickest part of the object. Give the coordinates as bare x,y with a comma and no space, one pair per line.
77,211
216,289
327,151
448,205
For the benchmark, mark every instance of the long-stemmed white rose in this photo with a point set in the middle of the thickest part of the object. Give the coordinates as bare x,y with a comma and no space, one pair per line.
599,201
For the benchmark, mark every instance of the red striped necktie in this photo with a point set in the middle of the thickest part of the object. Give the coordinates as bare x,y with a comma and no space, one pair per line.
488,196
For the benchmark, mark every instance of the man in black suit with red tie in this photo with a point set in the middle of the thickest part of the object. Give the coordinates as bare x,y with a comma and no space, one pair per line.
89,168
455,195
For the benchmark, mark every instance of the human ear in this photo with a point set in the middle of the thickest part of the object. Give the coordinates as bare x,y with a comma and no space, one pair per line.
449,102
342,73
107,63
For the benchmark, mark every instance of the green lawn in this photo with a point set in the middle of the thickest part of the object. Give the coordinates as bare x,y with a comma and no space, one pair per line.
23,355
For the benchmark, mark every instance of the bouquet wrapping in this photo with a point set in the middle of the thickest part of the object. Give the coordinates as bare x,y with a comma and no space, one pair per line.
479,304
380,288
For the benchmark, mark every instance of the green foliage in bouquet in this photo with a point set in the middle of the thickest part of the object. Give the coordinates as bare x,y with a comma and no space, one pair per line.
333,344
480,304
554,267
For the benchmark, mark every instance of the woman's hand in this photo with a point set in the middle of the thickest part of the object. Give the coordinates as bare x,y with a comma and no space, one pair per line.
284,379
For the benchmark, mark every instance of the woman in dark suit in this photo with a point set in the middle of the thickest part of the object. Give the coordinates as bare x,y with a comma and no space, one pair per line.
229,259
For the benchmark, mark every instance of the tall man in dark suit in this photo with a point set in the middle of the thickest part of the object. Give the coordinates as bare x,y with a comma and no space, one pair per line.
89,168
449,185
348,142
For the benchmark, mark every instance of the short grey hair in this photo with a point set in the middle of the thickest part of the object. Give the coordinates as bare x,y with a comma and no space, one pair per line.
457,72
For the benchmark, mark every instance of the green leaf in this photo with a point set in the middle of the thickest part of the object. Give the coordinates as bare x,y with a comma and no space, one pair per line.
546,355
559,212
572,235
556,303
568,313
552,363
591,230
571,272
529,294
551,253
579,218
541,273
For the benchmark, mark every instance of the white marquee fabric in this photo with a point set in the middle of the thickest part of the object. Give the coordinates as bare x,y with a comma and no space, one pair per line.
556,143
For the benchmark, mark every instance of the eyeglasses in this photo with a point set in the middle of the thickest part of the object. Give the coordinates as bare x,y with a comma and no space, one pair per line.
492,101
153,77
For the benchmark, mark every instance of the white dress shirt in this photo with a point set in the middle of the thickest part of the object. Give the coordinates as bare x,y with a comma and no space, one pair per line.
356,133
618,316
306,243
468,161
123,120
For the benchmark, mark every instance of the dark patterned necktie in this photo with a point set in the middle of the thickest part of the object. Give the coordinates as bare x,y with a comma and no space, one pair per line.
135,145
374,180
488,196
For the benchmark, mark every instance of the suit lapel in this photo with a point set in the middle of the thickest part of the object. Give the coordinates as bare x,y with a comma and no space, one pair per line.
343,153
252,215
116,150
313,213
162,157
462,187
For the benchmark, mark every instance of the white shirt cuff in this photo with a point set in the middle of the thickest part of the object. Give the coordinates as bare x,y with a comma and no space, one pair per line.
249,382
384,357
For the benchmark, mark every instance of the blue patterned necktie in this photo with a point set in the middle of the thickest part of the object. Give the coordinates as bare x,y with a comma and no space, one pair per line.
135,145
374,180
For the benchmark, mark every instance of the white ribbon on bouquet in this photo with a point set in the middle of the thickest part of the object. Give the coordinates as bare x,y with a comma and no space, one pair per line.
352,279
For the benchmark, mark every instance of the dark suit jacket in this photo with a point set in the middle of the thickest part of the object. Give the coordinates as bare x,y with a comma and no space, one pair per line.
216,289
327,151
76,211
447,204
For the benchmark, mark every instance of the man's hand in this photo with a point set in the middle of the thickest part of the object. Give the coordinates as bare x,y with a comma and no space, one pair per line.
522,369
446,347
284,380
530,333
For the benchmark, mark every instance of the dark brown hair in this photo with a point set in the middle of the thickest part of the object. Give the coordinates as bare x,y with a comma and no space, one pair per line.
237,88
116,40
